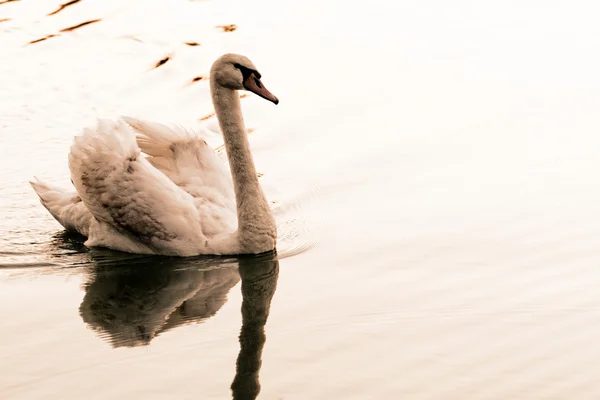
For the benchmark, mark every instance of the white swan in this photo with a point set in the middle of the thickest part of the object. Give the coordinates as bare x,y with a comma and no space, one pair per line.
179,198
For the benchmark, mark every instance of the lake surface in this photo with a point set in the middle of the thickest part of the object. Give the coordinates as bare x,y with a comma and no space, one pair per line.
433,169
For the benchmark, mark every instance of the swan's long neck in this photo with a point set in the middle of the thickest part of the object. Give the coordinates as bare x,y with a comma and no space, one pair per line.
256,227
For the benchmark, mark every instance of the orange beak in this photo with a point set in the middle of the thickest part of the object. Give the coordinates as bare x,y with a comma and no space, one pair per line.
253,84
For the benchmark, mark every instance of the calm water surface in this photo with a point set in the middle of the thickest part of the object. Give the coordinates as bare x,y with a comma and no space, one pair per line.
433,170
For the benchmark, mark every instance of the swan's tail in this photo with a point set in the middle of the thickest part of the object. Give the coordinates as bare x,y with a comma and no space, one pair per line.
53,198
65,206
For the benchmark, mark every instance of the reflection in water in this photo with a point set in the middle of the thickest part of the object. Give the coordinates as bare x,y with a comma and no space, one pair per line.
259,280
134,299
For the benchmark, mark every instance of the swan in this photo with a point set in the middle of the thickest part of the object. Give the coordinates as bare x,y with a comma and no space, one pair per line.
143,187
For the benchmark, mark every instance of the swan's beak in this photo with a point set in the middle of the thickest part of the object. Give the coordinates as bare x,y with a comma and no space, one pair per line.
253,84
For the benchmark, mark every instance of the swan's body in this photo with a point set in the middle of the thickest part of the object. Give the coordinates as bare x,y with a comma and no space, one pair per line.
177,199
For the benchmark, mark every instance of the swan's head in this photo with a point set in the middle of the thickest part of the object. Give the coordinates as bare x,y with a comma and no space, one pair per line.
236,72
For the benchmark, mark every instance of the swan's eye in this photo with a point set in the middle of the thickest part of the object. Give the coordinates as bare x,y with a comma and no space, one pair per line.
246,72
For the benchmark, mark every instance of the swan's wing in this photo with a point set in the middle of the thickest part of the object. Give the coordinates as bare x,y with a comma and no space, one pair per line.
186,158
123,190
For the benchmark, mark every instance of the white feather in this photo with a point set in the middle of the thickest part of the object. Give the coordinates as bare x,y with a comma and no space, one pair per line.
175,199
135,206
65,206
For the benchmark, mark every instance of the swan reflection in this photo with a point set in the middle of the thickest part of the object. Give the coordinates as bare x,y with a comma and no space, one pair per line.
133,300
259,281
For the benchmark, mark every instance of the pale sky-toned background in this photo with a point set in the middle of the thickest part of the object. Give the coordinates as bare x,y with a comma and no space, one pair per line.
437,161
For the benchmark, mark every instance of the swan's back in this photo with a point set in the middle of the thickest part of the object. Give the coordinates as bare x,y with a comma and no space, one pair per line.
170,203
187,160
